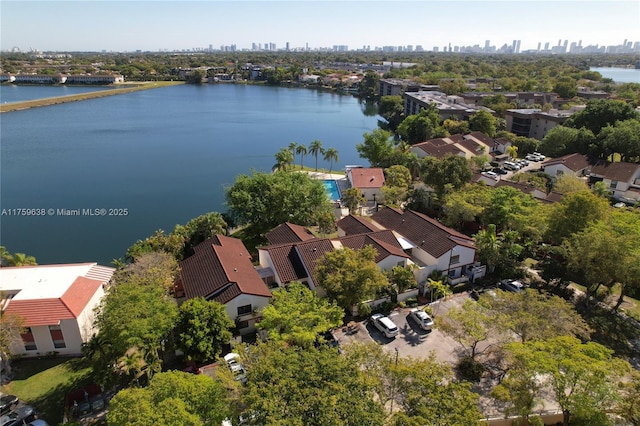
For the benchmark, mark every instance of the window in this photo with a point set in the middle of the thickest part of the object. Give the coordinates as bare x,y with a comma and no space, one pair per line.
57,337
243,310
614,184
243,324
28,340
455,259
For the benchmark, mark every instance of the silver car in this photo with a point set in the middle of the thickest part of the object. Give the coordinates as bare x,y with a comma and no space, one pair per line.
421,318
385,325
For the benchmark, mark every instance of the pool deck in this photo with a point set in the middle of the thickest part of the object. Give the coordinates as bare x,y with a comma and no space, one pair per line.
341,179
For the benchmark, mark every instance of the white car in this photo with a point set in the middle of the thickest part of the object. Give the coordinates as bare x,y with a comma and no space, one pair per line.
385,325
239,373
421,318
510,165
492,175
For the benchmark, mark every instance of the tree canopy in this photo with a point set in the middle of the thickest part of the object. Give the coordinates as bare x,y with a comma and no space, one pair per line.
202,329
350,276
377,147
450,172
297,316
172,397
420,127
264,201
483,121
601,112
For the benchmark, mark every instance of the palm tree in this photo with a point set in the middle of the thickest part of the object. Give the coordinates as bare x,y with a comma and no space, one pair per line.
316,148
331,155
292,147
301,150
284,157
21,259
512,151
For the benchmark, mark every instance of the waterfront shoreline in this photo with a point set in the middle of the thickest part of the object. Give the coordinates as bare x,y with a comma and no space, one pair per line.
131,87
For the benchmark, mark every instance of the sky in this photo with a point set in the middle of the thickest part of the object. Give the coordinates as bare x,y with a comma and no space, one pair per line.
179,25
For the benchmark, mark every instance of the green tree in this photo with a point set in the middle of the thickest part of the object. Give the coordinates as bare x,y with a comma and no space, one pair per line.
196,77
353,198
377,147
483,121
153,269
16,259
402,278
134,321
264,201
456,127
488,247
563,140
202,329
368,89
574,213
172,397
316,149
601,112
583,377
566,87
422,126
284,158
350,276
297,316
512,210
452,171
301,150
200,229
526,145
289,385
469,325
566,184
512,151
391,108
465,205
331,155
622,138
11,327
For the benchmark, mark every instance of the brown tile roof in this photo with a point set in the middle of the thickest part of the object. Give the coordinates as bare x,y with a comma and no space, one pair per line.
362,177
51,310
457,138
438,151
575,162
221,269
487,140
312,251
384,242
288,233
352,225
286,262
423,231
622,172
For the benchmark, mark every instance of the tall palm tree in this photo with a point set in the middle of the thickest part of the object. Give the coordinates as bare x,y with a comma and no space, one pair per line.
21,259
512,151
284,157
331,155
292,147
301,150
316,148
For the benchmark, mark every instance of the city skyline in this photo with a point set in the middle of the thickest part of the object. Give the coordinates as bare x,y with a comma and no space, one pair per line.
195,25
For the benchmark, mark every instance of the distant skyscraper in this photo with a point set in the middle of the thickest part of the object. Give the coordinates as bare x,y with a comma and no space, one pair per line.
518,46
487,44
546,46
539,44
287,46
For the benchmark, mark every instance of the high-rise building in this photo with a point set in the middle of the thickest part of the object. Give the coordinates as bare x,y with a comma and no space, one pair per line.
539,44
518,46
546,46
287,46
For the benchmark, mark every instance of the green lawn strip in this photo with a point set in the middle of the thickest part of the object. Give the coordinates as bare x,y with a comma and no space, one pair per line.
17,106
43,383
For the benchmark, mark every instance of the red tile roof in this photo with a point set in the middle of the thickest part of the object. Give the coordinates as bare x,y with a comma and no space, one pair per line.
423,231
352,225
362,177
438,151
286,262
620,171
221,269
50,311
288,233
487,140
312,251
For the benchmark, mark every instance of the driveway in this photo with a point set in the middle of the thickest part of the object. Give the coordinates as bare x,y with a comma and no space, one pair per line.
411,341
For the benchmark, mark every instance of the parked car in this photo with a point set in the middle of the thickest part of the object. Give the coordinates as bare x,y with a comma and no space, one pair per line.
513,286
385,325
523,162
500,171
233,361
19,416
492,175
537,157
475,294
421,318
7,402
510,165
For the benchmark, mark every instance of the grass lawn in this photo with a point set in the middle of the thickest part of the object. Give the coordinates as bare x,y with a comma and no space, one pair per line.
44,383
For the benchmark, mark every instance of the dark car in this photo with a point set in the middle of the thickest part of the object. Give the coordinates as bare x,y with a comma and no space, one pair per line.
6,402
19,416
499,171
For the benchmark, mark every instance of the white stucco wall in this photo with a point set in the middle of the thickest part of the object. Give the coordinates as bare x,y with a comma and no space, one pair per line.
87,316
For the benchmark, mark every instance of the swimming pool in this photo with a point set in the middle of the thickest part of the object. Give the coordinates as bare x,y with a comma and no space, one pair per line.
331,187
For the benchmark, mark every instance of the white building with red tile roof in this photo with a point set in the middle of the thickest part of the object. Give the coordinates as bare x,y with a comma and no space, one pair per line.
56,304
369,180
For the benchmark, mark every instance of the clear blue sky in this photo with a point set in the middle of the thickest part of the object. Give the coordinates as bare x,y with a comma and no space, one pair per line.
153,25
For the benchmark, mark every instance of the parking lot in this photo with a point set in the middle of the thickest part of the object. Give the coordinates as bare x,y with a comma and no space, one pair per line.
411,341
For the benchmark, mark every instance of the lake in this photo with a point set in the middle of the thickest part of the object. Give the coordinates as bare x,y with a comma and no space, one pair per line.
166,155
619,75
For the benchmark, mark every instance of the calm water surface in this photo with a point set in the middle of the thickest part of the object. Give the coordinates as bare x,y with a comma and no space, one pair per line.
619,75
13,93
165,154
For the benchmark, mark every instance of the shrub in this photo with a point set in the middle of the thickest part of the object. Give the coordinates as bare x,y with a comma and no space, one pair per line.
411,302
364,309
